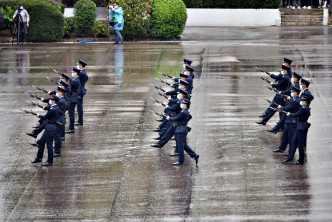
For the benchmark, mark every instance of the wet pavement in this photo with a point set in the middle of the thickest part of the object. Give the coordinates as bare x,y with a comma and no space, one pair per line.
109,172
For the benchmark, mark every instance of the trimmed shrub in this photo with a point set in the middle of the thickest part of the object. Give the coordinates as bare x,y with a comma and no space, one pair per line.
168,18
46,20
101,29
84,17
232,3
69,27
137,17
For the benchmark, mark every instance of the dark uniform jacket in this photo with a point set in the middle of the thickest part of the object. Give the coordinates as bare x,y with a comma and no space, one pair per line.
302,118
282,83
83,77
180,121
289,90
307,93
50,118
292,106
62,104
74,85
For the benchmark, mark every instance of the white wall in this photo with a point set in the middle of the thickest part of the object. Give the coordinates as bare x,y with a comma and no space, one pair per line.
233,17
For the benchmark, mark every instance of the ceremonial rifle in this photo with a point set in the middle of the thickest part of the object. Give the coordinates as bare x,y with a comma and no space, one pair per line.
164,74
163,81
34,96
158,87
269,101
35,104
264,79
278,110
29,112
52,80
262,70
276,91
41,89
157,101
160,94
158,114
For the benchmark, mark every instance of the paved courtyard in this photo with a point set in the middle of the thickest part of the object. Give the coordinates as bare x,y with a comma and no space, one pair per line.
109,172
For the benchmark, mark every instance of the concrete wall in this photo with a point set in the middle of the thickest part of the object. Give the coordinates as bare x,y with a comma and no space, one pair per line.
233,17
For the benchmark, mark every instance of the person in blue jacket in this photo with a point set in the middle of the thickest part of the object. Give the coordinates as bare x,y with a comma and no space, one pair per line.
300,135
116,21
73,98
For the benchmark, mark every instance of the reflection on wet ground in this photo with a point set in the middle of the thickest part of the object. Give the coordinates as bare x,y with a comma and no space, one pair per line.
108,170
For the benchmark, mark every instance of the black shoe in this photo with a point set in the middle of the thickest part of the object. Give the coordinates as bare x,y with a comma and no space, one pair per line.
262,116
47,164
160,120
196,159
177,163
272,131
174,146
78,124
63,138
157,138
286,160
70,131
156,145
32,135
278,151
34,144
298,163
156,130
35,127
285,154
57,155
37,161
261,123
174,154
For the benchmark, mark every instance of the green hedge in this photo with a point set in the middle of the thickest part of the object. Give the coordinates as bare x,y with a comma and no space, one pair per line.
46,20
168,18
84,17
137,17
232,3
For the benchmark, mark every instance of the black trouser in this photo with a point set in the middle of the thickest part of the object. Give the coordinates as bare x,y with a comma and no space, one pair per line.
71,112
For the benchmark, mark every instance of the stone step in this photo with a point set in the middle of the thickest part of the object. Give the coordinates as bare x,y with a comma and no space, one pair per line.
300,24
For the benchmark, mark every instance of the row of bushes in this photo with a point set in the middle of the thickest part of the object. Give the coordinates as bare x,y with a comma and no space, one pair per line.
232,3
143,19
153,18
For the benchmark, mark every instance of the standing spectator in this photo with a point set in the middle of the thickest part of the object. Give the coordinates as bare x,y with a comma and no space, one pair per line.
306,4
116,21
324,3
22,19
315,3
296,4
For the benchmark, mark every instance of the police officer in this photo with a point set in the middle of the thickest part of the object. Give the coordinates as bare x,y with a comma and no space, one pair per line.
83,77
49,134
181,130
290,125
282,84
73,98
295,84
304,86
60,133
300,134
168,131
